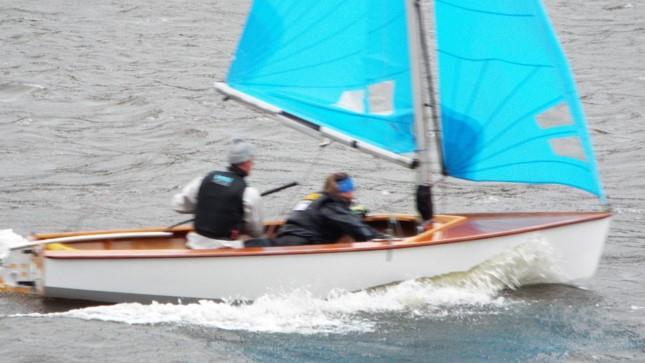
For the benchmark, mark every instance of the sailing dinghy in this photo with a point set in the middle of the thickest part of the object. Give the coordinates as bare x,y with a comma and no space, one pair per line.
358,72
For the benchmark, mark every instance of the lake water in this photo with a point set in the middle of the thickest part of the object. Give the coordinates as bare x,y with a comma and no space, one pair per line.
107,108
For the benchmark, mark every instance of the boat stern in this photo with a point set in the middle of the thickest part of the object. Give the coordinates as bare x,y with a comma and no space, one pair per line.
21,271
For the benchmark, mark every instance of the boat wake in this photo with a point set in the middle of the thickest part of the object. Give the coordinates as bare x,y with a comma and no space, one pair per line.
9,239
454,295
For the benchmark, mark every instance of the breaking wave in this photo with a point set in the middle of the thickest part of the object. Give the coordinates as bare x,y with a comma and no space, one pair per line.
476,291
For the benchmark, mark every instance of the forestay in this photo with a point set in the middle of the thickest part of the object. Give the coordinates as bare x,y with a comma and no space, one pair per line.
509,107
340,67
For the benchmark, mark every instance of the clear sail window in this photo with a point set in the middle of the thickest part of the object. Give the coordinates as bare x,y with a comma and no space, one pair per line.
558,115
381,98
569,147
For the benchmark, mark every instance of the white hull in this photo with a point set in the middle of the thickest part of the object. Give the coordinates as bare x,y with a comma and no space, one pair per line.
576,252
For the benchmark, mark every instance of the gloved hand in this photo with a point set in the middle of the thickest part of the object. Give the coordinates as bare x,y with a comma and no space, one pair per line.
359,210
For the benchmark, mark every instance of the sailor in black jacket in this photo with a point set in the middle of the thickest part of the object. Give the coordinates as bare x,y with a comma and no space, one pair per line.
327,218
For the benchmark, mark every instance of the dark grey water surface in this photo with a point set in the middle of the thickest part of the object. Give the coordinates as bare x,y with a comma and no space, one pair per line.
107,108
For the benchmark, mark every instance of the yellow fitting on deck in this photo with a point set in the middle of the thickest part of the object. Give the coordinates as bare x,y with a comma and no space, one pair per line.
59,247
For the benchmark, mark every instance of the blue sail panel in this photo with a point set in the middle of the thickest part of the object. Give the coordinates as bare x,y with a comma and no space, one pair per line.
339,64
509,108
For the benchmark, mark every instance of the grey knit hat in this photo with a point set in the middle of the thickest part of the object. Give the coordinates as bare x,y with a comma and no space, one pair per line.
240,152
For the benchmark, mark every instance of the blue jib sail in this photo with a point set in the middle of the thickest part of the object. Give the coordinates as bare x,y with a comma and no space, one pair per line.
343,65
509,107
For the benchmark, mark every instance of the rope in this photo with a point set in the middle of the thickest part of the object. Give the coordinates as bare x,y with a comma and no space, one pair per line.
439,184
303,181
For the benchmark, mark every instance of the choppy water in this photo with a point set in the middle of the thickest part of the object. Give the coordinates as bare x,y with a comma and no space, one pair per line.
107,109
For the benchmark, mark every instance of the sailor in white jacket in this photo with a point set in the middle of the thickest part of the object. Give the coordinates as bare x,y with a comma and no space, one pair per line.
225,207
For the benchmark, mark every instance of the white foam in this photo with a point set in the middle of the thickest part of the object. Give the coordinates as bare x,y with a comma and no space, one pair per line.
9,239
296,312
452,295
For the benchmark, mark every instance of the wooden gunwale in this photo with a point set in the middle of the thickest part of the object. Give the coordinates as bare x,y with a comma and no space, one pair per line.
188,227
571,218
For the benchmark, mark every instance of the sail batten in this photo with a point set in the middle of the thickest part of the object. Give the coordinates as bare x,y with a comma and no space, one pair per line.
490,59
488,12
325,85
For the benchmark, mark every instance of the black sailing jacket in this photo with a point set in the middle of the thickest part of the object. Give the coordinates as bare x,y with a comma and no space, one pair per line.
220,205
325,220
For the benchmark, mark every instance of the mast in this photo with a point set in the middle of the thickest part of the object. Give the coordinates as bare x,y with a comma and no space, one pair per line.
420,121
423,193
430,84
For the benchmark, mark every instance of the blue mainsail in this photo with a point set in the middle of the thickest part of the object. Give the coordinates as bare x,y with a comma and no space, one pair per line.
343,65
509,108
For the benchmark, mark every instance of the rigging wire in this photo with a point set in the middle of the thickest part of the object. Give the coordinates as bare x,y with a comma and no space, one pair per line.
303,180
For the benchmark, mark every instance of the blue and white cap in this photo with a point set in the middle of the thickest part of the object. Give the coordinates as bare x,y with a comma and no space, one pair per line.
240,152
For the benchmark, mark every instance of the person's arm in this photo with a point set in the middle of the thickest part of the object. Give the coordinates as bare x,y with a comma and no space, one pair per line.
186,200
253,221
348,222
